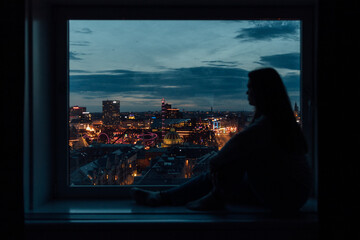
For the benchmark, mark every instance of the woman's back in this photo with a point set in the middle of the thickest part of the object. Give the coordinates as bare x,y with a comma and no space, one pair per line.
278,176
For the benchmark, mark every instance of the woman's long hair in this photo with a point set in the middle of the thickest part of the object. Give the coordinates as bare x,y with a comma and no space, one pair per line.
272,101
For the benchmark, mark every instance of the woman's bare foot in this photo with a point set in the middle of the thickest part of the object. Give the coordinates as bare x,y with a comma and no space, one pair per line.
209,202
147,198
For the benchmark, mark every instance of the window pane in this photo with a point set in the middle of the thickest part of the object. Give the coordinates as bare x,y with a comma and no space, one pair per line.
152,101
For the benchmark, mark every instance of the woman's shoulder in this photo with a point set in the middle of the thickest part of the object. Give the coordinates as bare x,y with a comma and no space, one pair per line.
259,127
259,123
263,119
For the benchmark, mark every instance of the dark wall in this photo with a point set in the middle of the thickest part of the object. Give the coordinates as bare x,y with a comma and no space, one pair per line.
12,90
338,92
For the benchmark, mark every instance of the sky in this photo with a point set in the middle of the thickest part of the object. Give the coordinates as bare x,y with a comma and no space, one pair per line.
194,65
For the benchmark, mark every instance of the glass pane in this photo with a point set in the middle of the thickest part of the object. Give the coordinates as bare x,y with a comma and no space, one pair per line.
152,101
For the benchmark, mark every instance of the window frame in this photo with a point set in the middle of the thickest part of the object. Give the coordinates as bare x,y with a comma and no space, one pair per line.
58,88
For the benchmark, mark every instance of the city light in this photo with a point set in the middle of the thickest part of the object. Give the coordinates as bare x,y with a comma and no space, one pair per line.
156,118
152,148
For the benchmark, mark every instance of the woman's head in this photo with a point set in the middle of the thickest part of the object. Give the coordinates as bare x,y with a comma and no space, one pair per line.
268,94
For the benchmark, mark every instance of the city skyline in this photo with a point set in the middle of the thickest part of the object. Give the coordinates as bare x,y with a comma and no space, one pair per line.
210,109
194,65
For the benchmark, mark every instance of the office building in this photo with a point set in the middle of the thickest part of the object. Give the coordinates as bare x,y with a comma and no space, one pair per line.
111,112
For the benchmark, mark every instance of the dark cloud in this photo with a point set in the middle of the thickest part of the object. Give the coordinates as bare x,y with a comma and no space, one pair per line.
180,83
118,71
74,56
79,71
80,43
84,30
199,87
201,78
288,60
269,30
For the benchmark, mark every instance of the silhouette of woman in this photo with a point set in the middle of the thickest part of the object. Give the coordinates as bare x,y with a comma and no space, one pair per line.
264,164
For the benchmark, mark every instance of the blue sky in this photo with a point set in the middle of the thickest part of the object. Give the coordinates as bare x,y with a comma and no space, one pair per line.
194,65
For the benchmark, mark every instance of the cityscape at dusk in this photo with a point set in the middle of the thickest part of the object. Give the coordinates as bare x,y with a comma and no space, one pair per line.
152,106
164,147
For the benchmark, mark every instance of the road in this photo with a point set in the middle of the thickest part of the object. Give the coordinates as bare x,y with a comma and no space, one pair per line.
222,139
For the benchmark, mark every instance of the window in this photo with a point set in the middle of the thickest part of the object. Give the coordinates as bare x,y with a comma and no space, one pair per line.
65,112
152,100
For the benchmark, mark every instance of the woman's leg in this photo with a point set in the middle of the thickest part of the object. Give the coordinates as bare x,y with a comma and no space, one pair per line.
227,188
240,191
193,189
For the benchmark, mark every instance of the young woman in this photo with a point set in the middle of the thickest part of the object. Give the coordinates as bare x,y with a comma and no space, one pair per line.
264,164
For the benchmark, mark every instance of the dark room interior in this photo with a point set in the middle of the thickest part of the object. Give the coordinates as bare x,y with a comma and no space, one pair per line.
29,53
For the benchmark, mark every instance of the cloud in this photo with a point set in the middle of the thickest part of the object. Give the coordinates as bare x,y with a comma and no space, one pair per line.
84,31
288,60
201,79
79,71
167,86
219,63
117,71
269,30
74,55
80,43
201,86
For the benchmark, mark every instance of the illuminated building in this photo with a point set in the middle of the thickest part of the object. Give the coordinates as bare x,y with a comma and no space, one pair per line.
107,164
163,110
111,112
76,112
79,118
297,113
173,113
164,170
79,143
172,138
216,124
166,105
202,163
86,116
169,112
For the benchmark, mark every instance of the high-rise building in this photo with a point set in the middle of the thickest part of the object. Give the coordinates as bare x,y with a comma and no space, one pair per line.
76,112
297,113
111,112
296,107
173,113
167,106
169,112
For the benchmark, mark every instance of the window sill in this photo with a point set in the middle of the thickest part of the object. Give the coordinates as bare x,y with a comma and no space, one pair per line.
127,212
108,218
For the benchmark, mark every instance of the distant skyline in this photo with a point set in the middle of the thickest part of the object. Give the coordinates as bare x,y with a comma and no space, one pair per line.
194,65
